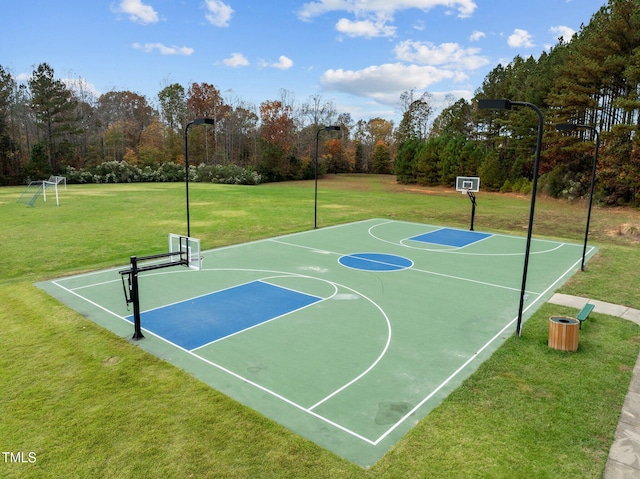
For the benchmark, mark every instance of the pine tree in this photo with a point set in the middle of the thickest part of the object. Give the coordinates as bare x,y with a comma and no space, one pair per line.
381,159
38,167
53,105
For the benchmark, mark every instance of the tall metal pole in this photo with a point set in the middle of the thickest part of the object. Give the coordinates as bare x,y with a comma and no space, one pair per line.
315,202
197,121
534,189
573,127
593,184
507,105
186,173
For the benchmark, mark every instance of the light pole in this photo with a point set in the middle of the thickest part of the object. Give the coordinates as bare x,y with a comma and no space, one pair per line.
573,127
315,204
508,105
197,121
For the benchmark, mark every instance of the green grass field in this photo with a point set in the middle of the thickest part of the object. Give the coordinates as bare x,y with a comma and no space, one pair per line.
88,404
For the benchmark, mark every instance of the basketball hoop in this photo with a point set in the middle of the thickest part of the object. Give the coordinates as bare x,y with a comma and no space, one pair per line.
183,250
469,185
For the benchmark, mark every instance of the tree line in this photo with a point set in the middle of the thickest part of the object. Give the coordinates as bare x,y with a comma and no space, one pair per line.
591,79
50,127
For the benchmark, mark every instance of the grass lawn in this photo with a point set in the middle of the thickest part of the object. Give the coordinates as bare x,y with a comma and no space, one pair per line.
87,403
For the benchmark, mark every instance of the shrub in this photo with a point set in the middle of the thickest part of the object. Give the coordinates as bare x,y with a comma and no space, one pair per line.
122,172
522,185
227,174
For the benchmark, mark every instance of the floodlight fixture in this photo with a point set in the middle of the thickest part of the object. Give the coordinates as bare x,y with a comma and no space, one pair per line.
574,127
197,121
315,203
204,121
486,104
503,104
567,127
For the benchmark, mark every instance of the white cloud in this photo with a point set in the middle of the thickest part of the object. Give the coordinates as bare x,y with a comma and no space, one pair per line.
163,49
23,77
476,35
138,11
373,17
562,31
236,60
520,38
442,99
386,8
284,63
419,25
81,87
365,28
449,55
219,13
385,82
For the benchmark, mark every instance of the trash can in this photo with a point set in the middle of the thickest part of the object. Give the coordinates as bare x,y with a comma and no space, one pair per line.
563,333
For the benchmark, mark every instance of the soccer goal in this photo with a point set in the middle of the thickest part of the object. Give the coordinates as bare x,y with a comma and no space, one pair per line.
36,188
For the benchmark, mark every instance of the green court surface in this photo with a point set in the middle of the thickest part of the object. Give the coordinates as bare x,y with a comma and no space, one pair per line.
347,335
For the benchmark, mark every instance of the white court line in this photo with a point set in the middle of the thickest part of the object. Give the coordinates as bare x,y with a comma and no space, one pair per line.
337,391
412,411
282,398
452,249
290,235
265,280
93,285
502,235
71,291
459,278
468,280
258,325
311,248
254,384
309,410
466,363
377,261
456,249
374,364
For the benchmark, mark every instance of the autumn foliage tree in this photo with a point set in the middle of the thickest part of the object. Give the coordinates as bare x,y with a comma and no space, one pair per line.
337,160
276,132
592,78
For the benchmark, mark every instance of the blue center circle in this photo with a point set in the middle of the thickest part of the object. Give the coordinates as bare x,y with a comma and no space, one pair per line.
375,262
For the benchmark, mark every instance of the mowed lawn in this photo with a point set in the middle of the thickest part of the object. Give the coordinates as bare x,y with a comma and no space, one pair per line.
78,401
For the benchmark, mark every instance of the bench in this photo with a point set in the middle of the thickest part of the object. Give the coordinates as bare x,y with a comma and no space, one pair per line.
584,313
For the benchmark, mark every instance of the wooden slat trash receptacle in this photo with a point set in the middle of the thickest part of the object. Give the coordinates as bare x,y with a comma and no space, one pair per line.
563,333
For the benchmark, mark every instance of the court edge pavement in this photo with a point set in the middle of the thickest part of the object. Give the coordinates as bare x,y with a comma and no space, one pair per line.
624,455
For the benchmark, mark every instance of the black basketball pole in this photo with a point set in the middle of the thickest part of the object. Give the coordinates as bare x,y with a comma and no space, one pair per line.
134,291
135,299
472,197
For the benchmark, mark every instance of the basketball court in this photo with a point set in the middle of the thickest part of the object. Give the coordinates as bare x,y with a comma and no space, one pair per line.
347,335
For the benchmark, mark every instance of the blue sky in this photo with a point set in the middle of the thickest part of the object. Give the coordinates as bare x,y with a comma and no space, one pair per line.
359,54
